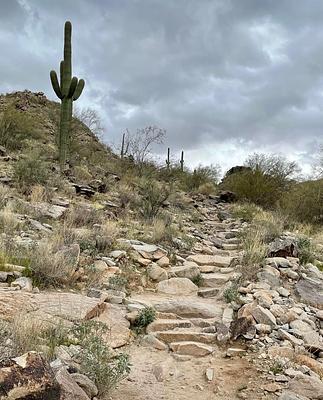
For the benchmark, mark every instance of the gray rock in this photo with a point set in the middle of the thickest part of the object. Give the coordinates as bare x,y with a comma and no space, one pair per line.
156,273
310,292
263,316
287,395
23,283
70,390
307,386
86,384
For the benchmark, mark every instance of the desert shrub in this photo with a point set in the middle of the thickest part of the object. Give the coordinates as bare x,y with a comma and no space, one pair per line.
15,128
9,222
245,211
231,294
197,280
161,230
4,195
118,282
51,263
304,202
153,195
106,236
145,317
207,188
306,250
254,252
81,216
262,181
270,225
206,176
30,170
98,361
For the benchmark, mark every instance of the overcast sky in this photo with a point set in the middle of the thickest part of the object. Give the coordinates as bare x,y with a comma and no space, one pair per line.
224,77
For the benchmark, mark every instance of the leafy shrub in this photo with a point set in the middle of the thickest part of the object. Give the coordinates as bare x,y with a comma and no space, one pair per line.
97,360
206,176
153,195
245,211
262,181
306,250
304,202
15,128
30,170
145,317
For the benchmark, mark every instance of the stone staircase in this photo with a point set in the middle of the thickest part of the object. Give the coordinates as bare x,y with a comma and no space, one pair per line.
192,325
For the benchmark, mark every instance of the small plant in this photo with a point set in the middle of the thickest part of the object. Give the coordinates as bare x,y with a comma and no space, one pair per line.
117,282
197,280
306,250
277,368
145,317
231,294
98,362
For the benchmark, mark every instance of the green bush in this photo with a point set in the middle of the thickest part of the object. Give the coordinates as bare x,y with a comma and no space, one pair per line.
15,128
153,195
145,317
30,170
263,181
201,178
98,361
304,202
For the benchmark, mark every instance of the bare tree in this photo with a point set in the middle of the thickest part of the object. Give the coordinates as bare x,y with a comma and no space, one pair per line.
139,145
318,165
91,118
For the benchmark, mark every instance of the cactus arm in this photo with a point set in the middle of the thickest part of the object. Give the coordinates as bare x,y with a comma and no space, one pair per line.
55,84
79,89
68,50
72,88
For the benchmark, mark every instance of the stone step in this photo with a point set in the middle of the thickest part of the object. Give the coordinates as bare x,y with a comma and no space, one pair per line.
168,324
208,292
231,246
191,348
184,336
216,260
215,279
206,269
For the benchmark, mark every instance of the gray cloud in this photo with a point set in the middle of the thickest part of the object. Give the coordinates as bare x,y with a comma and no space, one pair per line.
224,78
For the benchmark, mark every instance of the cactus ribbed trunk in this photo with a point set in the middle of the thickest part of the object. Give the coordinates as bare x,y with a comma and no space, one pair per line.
182,161
68,90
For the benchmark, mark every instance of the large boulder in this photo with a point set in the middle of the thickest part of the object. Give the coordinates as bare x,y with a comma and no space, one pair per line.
310,292
28,377
307,386
283,247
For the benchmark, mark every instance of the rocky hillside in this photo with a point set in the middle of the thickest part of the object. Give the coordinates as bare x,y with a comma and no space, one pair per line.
114,286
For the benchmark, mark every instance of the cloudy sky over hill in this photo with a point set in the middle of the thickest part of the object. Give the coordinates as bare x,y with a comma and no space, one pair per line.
224,77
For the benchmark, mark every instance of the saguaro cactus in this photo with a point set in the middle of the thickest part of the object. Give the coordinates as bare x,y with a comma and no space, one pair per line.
168,158
182,161
67,90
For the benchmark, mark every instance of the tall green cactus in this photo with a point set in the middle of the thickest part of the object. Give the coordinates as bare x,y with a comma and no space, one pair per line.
182,161
168,158
68,90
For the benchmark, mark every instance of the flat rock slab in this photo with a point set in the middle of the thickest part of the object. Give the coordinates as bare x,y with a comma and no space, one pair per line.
216,260
191,349
185,336
49,306
310,292
189,309
214,279
177,286
114,316
168,324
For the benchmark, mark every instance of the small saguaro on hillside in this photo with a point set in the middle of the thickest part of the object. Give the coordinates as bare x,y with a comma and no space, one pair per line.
68,90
